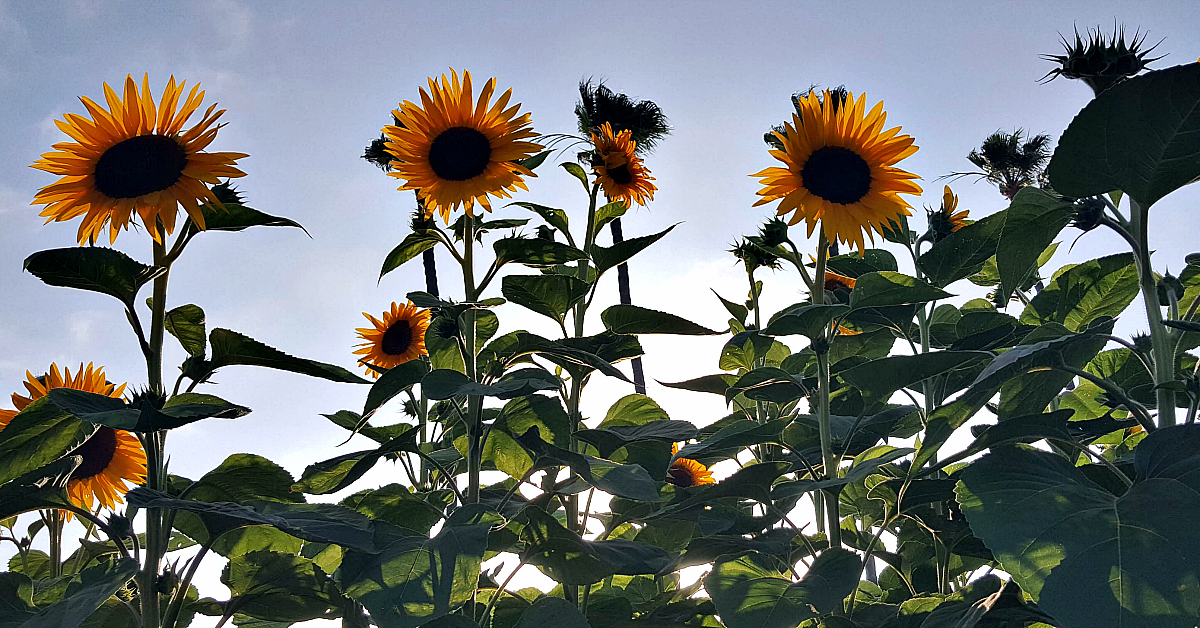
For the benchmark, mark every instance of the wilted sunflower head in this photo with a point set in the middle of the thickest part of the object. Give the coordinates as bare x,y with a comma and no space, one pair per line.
598,105
946,220
455,150
619,171
1101,61
395,338
135,156
111,458
840,169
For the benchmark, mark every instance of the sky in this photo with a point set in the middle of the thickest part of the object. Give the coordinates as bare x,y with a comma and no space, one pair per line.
307,85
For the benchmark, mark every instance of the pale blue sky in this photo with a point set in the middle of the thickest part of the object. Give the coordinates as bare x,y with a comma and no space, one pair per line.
307,85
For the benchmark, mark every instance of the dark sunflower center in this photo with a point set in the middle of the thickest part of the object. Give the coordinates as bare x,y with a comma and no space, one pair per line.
140,165
621,174
680,475
836,174
459,154
97,452
833,283
397,338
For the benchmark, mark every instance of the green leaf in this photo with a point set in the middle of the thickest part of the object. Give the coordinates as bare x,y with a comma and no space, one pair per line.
556,218
321,523
736,310
37,436
853,265
752,481
549,295
534,252
623,480
577,171
95,585
964,252
856,473
552,611
570,559
393,382
633,410
94,268
40,489
888,288
715,384
735,436
271,586
179,410
444,384
631,319
767,383
335,474
397,505
186,323
882,377
749,593
608,213
1026,429
1139,136
1034,219
231,348
607,440
617,254
415,580
517,417
1085,292
1089,557
533,161
809,320
409,248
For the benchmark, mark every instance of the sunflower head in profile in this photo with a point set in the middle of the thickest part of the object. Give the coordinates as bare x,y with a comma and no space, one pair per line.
456,151
135,157
839,169
945,220
393,339
619,171
835,282
686,472
111,458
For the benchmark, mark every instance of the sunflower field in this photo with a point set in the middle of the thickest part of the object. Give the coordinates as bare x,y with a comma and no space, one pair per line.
892,453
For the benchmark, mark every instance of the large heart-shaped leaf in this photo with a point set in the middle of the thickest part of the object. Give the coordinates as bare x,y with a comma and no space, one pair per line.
1087,556
570,559
37,436
1085,292
750,593
1033,221
1141,136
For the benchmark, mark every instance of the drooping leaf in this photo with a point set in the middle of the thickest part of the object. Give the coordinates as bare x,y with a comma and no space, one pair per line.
556,218
577,171
94,268
964,252
236,216
1089,557
552,611
535,252
715,384
810,320
37,436
623,480
413,245
395,381
549,295
750,593
889,288
40,489
231,348
1033,221
445,384
272,586
856,473
1085,292
186,323
570,559
607,440
1031,428
95,585
884,376
1138,137
335,474
617,254
178,411
631,319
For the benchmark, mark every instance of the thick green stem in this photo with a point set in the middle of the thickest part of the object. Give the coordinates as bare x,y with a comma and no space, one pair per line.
830,462
1161,343
153,441
474,402
55,529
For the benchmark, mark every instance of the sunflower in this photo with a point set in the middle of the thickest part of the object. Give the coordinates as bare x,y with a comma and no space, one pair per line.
111,457
618,168
944,221
134,156
687,472
396,339
834,281
455,151
840,169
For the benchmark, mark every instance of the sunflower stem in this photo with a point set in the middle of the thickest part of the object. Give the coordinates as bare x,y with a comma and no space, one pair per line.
153,442
474,402
56,529
1161,343
830,463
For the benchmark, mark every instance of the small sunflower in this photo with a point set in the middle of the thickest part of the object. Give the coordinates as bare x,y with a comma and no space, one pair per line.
396,339
618,168
840,169
111,458
945,220
687,472
455,151
134,157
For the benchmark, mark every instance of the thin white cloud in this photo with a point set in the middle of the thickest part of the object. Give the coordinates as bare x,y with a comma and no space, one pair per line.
232,21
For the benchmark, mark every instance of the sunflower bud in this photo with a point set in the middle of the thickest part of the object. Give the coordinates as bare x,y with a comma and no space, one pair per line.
196,368
1088,213
750,252
1142,343
167,581
149,399
774,233
545,232
121,526
421,222
128,592
376,153
1166,285
1101,61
